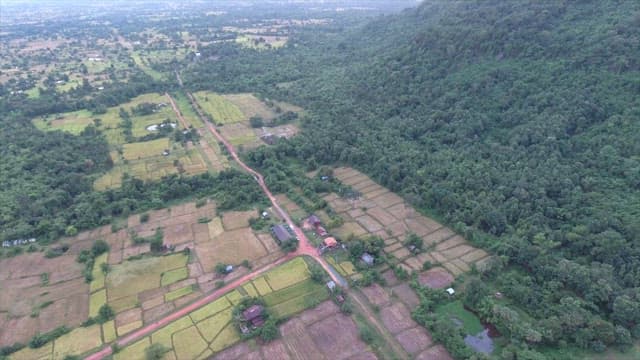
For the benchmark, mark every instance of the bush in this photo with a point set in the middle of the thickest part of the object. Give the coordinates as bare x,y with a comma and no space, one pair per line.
10,349
39,340
269,331
99,247
155,352
144,218
366,334
289,246
105,313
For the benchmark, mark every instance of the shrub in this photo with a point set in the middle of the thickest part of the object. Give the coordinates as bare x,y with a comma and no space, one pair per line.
144,218
99,247
155,352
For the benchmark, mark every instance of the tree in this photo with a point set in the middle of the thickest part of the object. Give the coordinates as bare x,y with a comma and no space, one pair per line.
269,331
256,121
317,273
99,247
71,230
105,313
155,352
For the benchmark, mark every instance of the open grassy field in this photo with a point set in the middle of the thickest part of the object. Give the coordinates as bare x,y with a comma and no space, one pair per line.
470,323
261,42
129,278
163,336
78,341
143,63
251,106
97,299
172,276
97,273
287,274
133,351
175,294
187,110
188,343
144,149
220,109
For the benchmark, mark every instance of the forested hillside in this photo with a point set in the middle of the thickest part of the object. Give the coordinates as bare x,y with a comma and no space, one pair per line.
517,122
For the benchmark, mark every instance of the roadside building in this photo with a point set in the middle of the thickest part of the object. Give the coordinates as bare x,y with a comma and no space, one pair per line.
281,233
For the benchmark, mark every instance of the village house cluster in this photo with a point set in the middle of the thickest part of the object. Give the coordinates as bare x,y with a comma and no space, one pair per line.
10,243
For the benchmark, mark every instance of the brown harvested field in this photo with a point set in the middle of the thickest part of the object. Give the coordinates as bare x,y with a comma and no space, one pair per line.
397,318
436,278
382,216
233,220
179,233
376,295
405,293
437,236
231,247
414,340
450,243
366,186
437,352
319,333
337,336
369,223
22,291
349,228
457,251
386,199
474,256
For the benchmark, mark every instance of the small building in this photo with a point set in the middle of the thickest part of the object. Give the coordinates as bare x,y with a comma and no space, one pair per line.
331,285
265,215
166,152
368,259
228,269
450,291
253,315
314,220
321,231
281,233
330,242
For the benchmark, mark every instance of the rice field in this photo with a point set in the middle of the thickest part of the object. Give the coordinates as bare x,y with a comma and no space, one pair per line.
221,110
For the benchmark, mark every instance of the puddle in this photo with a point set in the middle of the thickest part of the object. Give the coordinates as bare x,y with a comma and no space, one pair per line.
480,342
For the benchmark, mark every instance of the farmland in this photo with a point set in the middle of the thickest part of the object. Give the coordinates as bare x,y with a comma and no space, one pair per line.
210,329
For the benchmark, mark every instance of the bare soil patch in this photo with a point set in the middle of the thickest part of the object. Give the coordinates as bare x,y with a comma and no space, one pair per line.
275,350
383,216
450,243
369,223
230,247
376,295
298,340
458,251
437,352
321,311
337,337
233,220
436,278
437,236
396,318
405,293
414,340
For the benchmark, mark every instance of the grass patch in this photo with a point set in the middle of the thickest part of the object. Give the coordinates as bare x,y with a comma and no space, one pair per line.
132,277
170,296
145,149
295,305
28,353
210,309
125,329
297,290
77,342
133,351
348,267
109,331
211,326
97,273
287,274
470,323
227,337
188,343
250,289
187,110
221,110
163,336
234,297
173,276
96,300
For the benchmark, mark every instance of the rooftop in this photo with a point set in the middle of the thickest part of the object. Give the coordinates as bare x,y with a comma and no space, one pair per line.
281,233
252,312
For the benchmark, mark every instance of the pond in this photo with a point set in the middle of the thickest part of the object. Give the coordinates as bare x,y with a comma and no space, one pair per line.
481,342
155,127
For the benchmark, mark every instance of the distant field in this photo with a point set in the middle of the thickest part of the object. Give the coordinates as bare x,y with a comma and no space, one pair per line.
187,110
260,42
143,64
221,110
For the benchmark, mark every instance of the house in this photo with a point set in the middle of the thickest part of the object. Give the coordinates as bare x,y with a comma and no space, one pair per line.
331,285
265,215
330,242
321,231
367,259
450,291
228,269
281,233
314,220
253,315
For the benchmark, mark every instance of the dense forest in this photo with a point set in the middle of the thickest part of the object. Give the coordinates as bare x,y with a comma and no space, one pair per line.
516,122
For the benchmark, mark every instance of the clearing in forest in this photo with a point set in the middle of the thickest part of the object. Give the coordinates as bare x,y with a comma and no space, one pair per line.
221,110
